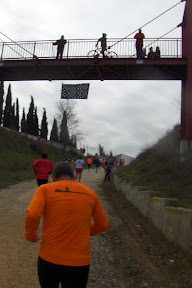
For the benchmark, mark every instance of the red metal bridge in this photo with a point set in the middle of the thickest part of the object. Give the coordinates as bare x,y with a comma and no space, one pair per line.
36,61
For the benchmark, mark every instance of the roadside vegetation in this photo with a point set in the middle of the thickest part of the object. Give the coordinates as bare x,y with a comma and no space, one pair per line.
161,168
17,154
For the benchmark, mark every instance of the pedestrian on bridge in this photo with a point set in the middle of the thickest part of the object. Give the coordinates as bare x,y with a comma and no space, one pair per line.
60,46
139,43
151,54
71,214
157,53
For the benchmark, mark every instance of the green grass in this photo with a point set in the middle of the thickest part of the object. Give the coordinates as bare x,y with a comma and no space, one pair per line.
160,168
17,154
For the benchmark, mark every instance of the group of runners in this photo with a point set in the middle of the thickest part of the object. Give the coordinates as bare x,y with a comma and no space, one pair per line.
71,214
44,167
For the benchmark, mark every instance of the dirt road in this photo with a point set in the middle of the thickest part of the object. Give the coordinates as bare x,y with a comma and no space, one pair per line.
132,254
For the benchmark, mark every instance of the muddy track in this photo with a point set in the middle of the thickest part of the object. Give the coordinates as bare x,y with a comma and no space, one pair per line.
133,253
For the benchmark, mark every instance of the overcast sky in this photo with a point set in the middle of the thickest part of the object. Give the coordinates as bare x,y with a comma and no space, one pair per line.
122,116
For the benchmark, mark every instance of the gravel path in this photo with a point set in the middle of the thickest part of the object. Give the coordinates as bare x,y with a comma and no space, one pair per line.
133,253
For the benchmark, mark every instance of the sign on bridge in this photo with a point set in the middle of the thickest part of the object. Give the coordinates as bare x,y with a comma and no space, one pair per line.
74,91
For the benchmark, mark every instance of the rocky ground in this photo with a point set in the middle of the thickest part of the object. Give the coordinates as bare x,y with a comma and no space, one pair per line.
133,253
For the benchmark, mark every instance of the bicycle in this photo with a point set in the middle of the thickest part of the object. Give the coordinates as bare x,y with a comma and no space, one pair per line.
98,53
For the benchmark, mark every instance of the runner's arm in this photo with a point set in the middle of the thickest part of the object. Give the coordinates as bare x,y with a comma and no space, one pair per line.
34,166
51,168
100,222
33,216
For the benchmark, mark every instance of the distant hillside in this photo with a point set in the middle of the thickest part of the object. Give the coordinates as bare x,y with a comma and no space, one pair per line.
17,154
160,168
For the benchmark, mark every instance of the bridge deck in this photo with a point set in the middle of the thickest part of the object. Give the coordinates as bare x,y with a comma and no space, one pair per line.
93,69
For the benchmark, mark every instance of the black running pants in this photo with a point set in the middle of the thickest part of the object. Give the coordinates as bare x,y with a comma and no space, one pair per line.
50,275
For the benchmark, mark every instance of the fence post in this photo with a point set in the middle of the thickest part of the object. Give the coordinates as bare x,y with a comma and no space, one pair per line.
68,49
2,51
34,48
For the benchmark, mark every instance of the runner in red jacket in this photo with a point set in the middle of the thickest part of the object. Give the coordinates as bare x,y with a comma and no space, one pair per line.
42,168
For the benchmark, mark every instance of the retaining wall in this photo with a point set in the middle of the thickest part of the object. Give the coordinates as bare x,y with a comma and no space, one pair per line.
174,222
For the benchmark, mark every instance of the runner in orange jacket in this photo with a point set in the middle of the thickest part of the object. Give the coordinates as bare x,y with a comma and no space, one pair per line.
89,161
68,208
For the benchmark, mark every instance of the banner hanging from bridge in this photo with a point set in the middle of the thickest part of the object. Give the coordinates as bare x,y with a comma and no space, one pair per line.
74,91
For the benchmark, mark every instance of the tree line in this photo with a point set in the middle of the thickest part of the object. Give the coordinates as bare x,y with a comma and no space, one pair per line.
29,123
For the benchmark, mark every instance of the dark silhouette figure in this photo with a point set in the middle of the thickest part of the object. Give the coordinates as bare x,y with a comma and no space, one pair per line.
103,41
60,46
139,43
157,53
108,172
151,54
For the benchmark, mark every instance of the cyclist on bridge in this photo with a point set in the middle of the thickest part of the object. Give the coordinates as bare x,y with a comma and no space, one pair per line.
60,46
103,41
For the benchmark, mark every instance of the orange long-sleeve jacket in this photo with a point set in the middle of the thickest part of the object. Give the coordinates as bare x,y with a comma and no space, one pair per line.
68,208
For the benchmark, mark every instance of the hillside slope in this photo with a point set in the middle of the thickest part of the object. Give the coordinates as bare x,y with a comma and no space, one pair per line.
161,168
17,154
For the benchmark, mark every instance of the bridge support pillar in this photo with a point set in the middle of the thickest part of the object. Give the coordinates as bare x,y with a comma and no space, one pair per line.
186,98
185,146
186,118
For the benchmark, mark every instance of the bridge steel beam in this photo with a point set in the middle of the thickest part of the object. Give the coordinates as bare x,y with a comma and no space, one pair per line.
91,69
186,101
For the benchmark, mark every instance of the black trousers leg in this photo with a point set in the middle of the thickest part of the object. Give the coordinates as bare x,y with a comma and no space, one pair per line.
42,181
50,275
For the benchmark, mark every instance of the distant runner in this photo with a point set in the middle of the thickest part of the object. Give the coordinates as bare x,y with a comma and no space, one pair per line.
108,172
42,168
79,164
89,161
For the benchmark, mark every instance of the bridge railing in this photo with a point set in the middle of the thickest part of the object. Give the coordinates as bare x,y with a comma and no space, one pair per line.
169,47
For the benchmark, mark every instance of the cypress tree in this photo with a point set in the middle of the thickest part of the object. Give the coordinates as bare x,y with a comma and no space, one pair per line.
75,141
1,100
44,126
54,132
72,140
12,117
17,115
32,121
36,123
23,122
8,109
64,133
30,118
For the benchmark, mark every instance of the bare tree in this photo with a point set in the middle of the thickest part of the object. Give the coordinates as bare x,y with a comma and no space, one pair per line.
70,107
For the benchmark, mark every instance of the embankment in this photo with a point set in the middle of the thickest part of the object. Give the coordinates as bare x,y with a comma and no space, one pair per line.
175,222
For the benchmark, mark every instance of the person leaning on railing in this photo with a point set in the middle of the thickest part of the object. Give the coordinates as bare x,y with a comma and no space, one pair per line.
60,46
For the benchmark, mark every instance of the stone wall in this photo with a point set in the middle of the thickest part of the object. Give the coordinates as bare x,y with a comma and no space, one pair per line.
175,222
